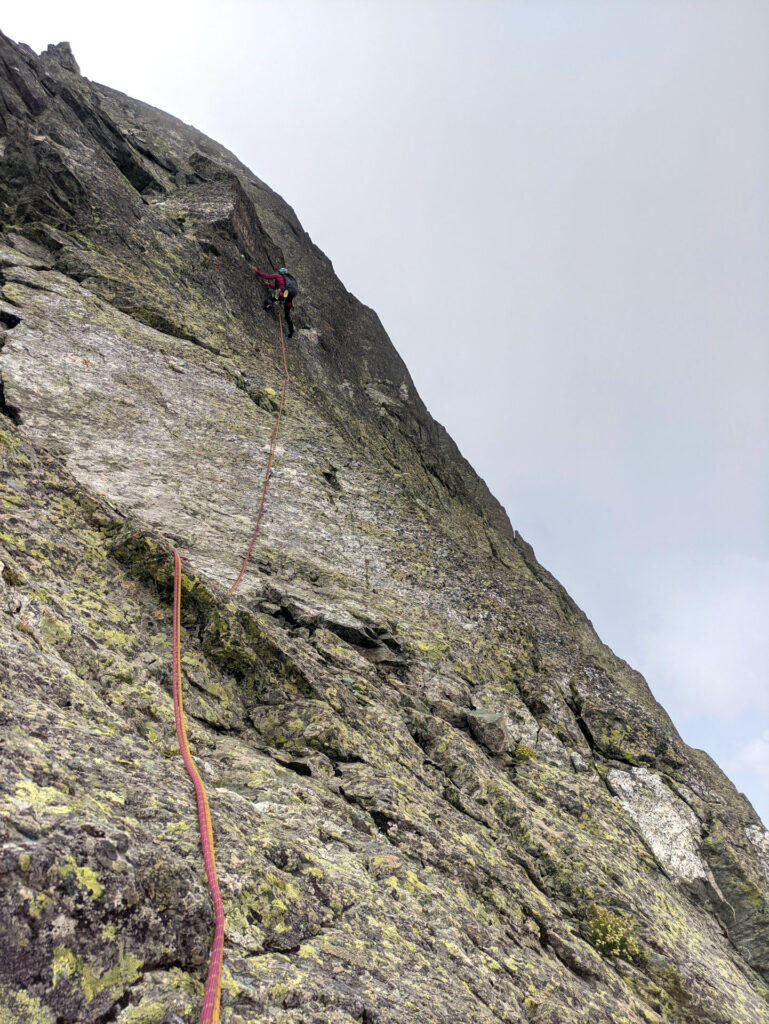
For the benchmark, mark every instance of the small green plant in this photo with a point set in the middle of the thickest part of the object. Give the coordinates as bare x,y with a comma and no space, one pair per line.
524,753
612,934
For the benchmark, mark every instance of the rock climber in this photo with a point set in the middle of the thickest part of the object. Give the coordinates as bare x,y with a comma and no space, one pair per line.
284,289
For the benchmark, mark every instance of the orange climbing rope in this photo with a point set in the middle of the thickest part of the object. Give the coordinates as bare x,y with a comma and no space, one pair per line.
210,1012
273,439
212,992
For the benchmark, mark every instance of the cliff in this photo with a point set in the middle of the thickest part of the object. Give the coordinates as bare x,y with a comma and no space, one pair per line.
436,795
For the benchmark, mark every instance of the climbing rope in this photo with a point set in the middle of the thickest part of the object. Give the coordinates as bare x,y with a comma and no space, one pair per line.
273,439
211,994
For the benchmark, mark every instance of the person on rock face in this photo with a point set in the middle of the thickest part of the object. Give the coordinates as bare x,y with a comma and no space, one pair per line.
283,289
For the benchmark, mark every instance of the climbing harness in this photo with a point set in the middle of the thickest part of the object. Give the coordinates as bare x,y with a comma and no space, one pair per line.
273,439
212,992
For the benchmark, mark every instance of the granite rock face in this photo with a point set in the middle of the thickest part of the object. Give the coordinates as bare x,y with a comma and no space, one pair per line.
437,796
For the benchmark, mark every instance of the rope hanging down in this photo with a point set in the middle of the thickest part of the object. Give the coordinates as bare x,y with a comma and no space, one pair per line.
273,439
211,994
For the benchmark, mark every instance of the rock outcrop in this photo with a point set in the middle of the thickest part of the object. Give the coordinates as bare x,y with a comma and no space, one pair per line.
437,796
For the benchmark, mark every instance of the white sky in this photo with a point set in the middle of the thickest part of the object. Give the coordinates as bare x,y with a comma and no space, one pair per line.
560,211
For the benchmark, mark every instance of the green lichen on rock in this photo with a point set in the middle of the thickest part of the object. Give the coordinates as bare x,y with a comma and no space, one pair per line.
147,1012
22,1008
612,933
85,876
68,968
54,631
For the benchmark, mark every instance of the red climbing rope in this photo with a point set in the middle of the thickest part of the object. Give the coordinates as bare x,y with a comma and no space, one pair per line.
273,439
210,1012
212,992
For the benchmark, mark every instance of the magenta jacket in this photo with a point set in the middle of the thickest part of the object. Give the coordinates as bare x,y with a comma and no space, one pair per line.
279,279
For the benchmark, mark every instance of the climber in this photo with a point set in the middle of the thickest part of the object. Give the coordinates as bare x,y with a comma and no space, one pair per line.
284,289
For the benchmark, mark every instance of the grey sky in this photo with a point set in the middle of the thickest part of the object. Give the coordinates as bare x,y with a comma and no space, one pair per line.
560,211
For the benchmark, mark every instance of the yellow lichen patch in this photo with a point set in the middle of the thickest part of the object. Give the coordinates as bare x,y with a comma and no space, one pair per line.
22,1008
228,983
179,979
147,1012
37,903
412,883
85,876
42,799
278,994
79,974
308,952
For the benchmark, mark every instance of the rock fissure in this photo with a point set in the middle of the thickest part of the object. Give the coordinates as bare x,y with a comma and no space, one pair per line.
10,411
7,319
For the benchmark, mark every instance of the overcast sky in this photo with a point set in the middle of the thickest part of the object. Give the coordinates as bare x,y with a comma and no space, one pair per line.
573,198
